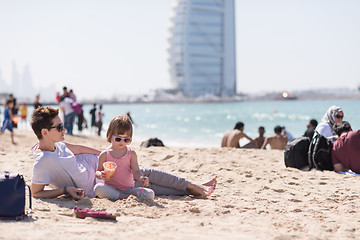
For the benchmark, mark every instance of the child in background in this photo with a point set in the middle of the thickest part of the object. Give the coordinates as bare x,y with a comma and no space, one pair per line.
23,114
7,119
121,184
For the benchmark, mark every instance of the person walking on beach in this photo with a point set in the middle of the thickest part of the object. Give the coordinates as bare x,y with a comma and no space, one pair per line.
7,120
99,119
121,184
81,120
232,137
70,169
69,114
128,114
14,110
93,116
276,141
65,93
23,114
37,102
72,95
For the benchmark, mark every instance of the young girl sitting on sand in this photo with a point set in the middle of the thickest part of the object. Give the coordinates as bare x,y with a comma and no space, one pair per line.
121,184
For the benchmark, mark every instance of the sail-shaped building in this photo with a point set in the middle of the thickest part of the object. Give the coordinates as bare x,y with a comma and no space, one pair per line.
202,54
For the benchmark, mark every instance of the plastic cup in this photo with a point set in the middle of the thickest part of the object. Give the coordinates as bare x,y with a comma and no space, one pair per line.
109,168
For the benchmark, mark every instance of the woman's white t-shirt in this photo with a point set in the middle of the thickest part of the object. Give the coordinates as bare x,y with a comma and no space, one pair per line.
325,130
62,168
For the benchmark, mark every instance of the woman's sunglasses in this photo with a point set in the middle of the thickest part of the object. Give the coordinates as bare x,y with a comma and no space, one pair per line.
59,127
339,116
119,139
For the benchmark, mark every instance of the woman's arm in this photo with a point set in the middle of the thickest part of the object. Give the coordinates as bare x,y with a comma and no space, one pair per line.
38,191
78,149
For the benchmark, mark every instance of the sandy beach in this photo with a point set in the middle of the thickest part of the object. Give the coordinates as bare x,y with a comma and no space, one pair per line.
257,197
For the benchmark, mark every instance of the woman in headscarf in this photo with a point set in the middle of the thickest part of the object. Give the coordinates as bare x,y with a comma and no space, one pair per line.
333,115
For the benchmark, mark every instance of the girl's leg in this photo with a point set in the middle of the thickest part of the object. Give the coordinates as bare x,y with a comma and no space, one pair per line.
105,191
141,192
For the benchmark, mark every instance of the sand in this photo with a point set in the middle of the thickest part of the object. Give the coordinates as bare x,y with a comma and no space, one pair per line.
257,197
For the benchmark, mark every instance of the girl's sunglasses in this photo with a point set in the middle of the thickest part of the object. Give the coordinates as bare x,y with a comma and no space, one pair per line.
119,139
59,127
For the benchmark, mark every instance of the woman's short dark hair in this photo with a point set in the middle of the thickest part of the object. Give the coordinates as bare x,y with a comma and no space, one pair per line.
42,118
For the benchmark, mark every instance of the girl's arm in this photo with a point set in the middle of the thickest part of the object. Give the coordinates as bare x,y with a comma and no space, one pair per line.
100,168
78,149
136,170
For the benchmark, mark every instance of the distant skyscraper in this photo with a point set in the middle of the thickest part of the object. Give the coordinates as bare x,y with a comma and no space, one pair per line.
202,54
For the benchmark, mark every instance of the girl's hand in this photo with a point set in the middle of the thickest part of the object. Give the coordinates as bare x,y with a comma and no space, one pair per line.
144,181
102,176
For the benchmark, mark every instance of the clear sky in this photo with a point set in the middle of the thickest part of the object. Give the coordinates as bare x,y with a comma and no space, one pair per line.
118,47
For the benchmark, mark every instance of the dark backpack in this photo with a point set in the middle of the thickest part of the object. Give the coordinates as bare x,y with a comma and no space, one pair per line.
296,153
319,154
12,197
152,142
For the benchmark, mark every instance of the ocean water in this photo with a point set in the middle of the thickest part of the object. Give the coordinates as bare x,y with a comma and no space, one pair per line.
203,124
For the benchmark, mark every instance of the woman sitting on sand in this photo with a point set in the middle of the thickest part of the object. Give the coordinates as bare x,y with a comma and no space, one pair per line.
333,115
70,169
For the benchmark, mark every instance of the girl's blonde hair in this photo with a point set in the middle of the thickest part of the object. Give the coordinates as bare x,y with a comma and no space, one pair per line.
119,125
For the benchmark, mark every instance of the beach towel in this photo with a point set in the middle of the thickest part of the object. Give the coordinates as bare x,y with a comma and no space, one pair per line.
349,173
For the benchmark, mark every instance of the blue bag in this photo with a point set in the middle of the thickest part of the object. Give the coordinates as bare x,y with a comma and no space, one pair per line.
12,196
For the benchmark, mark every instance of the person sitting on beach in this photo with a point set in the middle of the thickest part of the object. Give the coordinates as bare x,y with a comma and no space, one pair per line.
259,140
70,169
232,137
276,141
311,129
121,183
346,151
287,134
333,115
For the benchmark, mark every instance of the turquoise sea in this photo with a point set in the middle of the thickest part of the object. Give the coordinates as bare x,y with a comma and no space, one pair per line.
203,124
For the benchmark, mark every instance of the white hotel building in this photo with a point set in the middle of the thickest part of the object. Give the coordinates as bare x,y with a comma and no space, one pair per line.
202,54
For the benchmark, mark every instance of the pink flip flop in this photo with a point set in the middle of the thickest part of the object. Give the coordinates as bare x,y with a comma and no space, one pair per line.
83,213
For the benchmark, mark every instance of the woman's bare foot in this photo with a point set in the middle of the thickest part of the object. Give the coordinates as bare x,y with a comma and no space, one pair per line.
211,183
200,190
